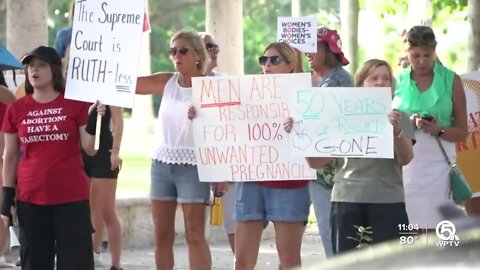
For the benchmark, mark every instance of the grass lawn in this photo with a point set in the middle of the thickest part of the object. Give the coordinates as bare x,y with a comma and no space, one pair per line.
134,178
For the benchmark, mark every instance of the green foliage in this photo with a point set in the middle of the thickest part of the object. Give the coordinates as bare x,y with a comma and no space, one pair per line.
259,25
134,178
363,236
58,17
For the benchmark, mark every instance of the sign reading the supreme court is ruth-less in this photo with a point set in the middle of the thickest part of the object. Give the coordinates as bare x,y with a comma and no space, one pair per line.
104,51
342,122
238,130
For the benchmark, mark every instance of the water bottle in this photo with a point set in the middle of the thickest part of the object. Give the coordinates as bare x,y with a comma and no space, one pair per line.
216,215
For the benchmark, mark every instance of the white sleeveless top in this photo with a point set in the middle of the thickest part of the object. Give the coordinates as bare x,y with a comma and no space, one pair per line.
174,131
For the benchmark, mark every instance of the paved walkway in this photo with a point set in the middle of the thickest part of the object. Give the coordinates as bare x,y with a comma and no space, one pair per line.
222,259
143,259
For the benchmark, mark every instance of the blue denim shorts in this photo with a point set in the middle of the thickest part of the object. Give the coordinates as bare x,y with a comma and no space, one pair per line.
256,202
177,182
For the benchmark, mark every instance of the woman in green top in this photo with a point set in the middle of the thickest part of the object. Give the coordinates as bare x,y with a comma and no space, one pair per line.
434,97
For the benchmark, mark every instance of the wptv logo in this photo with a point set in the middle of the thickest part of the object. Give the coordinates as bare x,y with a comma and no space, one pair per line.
446,233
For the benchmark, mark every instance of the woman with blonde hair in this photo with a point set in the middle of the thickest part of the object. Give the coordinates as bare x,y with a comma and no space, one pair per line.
174,173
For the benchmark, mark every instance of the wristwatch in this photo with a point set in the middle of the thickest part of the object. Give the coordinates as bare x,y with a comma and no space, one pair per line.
440,133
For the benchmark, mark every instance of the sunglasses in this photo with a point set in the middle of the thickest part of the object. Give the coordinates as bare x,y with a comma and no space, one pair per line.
174,50
212,47
274,60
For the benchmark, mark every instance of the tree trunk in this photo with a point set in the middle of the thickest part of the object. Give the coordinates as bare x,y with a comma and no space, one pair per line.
296,8
3,21
349,10
474,35
224,20
26,25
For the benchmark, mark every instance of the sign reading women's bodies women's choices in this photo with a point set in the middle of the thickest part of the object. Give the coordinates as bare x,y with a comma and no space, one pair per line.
105,51
468,151
341,122
238,131
299,32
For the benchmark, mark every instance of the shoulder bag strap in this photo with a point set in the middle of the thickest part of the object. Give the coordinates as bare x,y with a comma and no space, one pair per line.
443,151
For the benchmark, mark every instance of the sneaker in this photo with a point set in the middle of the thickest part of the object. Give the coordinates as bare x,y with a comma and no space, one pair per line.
5,264
98,259
115,268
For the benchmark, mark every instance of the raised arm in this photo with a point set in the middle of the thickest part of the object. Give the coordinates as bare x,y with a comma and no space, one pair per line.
152,84
116,123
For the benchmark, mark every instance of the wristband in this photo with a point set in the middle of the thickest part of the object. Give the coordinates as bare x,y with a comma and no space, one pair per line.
92,122
8,202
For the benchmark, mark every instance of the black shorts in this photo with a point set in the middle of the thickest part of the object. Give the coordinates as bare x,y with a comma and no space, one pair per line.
383,218
99,165
64,230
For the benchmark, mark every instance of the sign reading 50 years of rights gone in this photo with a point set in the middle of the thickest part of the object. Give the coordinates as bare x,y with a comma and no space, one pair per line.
342,122
238,131
104,51
299,32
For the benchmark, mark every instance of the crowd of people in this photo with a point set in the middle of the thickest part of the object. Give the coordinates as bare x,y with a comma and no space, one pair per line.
64,190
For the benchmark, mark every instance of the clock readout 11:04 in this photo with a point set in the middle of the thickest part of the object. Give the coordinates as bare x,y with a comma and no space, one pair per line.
408,227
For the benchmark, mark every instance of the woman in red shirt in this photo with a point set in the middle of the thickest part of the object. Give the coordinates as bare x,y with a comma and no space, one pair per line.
285,203
44,135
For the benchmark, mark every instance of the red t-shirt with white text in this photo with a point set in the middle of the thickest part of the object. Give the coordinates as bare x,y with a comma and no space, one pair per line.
50,169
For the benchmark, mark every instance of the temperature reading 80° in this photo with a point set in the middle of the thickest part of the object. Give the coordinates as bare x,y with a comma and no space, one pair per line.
408,239
264,131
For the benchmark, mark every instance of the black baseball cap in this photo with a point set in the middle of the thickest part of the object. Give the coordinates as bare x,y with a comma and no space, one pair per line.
47,54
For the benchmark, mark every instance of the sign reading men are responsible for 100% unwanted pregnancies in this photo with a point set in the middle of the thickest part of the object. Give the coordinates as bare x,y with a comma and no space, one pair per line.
238,130
342,122
104,51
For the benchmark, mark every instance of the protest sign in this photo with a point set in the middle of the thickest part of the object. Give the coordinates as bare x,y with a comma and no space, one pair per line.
468,151
238,131
105,51
299,32
342,122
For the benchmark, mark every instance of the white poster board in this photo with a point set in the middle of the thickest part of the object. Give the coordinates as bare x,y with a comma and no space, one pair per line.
105,51
238,130
299,32
342,122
